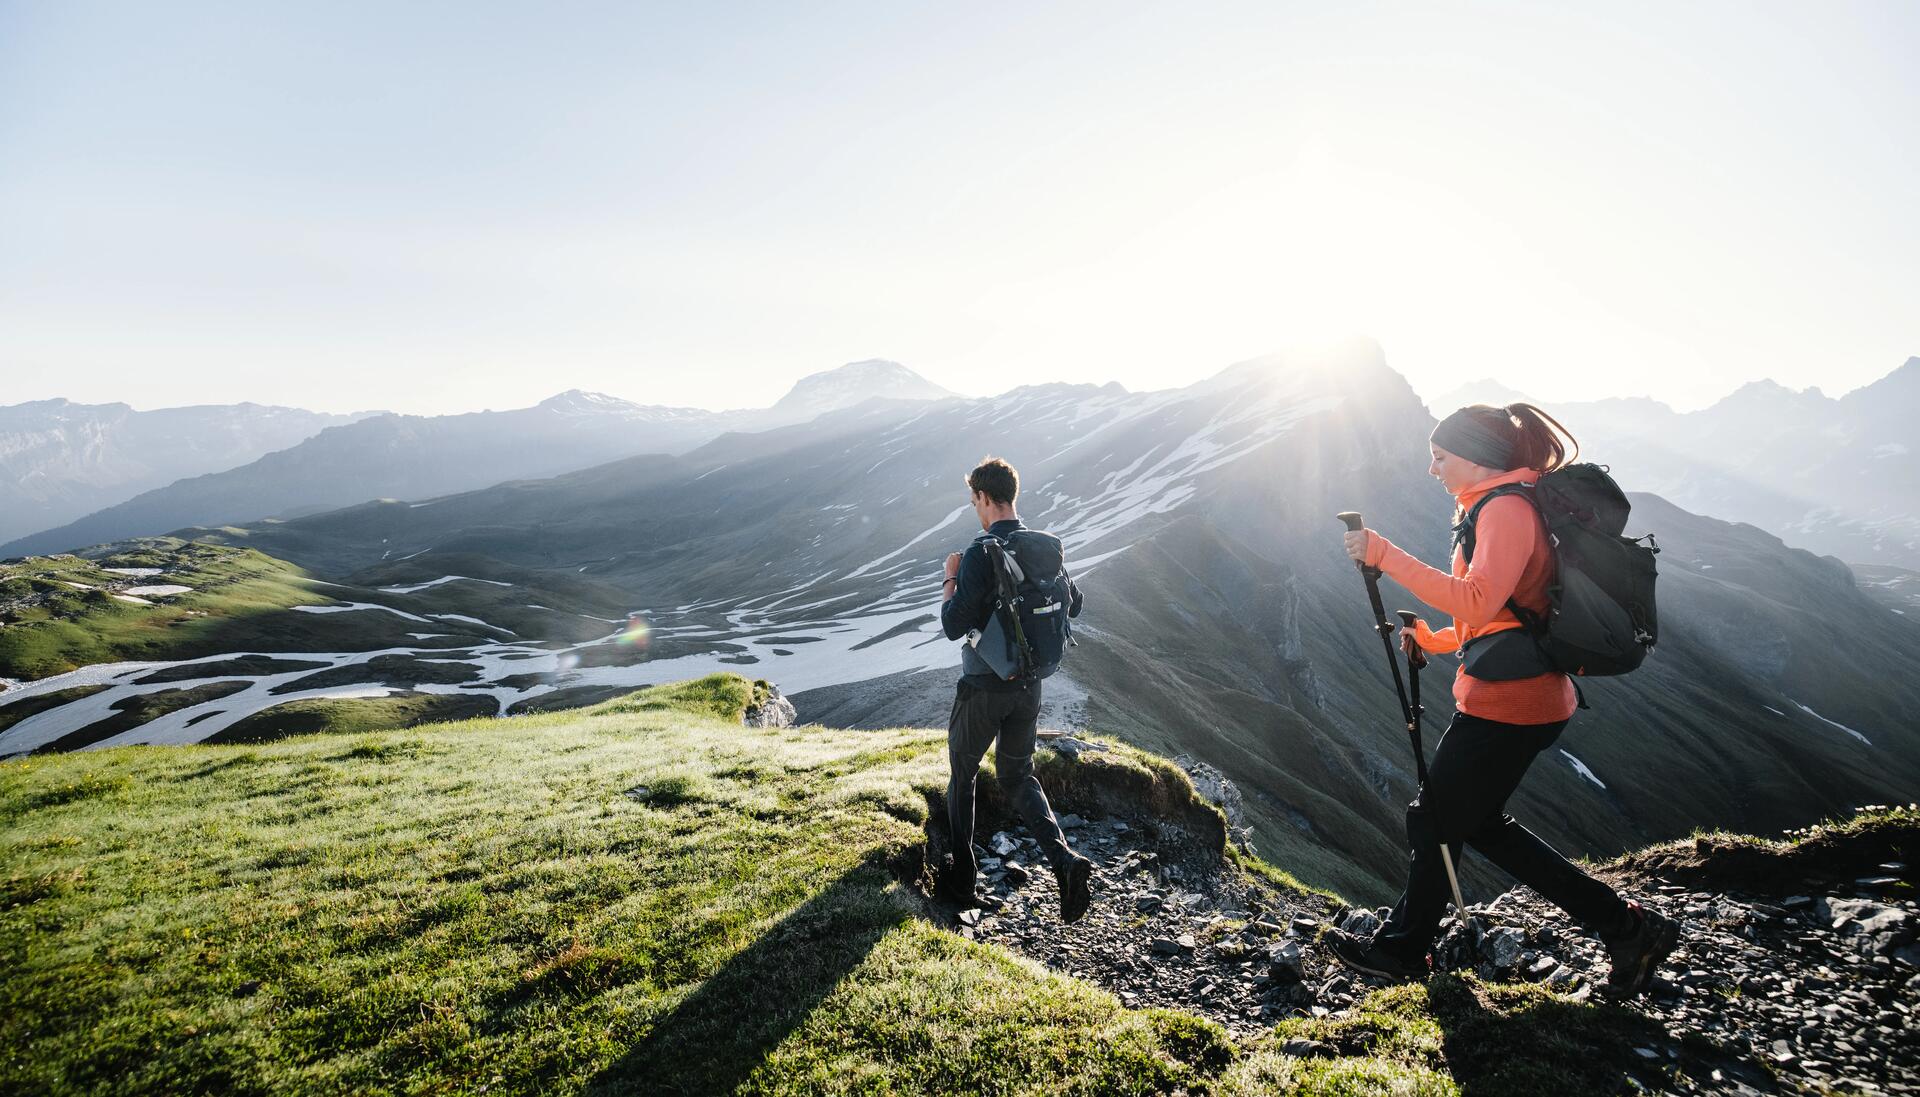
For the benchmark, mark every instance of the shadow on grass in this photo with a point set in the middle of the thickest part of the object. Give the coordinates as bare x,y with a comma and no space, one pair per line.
720,1033
1507,1041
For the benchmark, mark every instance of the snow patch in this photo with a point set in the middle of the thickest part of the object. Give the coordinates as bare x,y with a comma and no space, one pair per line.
472,621
442,579
923,535
1580,768
1835,723
343,607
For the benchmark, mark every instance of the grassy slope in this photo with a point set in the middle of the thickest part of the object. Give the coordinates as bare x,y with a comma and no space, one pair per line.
447,907
474,905
237,604
67,628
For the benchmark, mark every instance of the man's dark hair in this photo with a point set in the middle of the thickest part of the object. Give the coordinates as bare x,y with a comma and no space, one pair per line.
995,477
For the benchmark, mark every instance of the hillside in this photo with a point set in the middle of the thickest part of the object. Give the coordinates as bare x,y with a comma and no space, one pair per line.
647,897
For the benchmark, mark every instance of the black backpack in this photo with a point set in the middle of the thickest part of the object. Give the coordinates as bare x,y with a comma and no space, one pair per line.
1600,618
1031,603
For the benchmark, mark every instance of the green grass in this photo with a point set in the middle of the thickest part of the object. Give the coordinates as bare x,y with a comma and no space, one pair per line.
478,904
481,906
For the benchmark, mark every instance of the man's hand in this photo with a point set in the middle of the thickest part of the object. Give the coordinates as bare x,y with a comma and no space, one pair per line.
953,564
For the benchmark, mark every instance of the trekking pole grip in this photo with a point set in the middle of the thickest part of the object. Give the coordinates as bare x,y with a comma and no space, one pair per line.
1354,525
1415,658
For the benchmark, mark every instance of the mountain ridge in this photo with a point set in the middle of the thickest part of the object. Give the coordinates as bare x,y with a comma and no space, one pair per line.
389,455
60,459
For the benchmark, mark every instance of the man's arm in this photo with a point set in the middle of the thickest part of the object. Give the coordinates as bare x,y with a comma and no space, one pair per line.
1073,597
972,599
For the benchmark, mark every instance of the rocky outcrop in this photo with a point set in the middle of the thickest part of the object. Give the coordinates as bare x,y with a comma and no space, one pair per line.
1218,789
769,709
1772,989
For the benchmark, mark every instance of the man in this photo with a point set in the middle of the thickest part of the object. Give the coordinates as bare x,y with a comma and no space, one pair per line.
987,707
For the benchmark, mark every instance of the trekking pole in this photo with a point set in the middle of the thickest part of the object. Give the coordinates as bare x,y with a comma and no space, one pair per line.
1407,709
1415,660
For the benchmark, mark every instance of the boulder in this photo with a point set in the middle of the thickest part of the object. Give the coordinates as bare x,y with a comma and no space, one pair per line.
1502,947
1287,962
773,711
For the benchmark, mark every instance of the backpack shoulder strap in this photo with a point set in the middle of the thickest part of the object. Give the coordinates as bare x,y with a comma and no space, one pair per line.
1463,530
1000,558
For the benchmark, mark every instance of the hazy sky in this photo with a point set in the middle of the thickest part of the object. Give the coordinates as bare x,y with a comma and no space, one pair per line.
441,207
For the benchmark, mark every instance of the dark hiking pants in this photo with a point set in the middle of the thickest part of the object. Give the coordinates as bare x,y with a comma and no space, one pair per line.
980,717
1476,768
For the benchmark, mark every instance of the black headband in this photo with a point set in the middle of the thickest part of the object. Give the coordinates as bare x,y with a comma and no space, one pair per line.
1478,437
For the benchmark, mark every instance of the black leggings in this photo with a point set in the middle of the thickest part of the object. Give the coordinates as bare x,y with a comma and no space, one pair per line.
1475,769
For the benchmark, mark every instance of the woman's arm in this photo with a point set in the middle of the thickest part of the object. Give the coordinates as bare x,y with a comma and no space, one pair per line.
1439,643
1503,544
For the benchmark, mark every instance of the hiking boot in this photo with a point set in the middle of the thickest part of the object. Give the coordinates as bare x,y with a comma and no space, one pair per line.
955,886
1363,955
1075,876
1637,953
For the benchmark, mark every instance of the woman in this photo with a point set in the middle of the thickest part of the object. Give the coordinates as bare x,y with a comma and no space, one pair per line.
1511,704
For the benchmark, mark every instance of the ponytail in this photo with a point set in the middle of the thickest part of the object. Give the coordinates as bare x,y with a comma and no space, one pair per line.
1518,436
1541,444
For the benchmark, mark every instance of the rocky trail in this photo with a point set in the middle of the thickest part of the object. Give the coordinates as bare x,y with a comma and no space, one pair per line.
1803,979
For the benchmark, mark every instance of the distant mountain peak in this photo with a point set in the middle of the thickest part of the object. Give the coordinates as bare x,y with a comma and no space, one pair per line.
854,382
1904,381
582,400
1769,391
1484,391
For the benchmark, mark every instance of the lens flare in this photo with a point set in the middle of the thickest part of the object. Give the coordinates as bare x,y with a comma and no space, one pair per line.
635,633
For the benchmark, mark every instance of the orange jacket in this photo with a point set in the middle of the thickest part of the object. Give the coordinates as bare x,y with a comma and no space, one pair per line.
1511,559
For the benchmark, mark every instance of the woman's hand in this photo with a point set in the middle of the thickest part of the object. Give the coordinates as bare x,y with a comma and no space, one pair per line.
1358,543
1410,644
953,564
